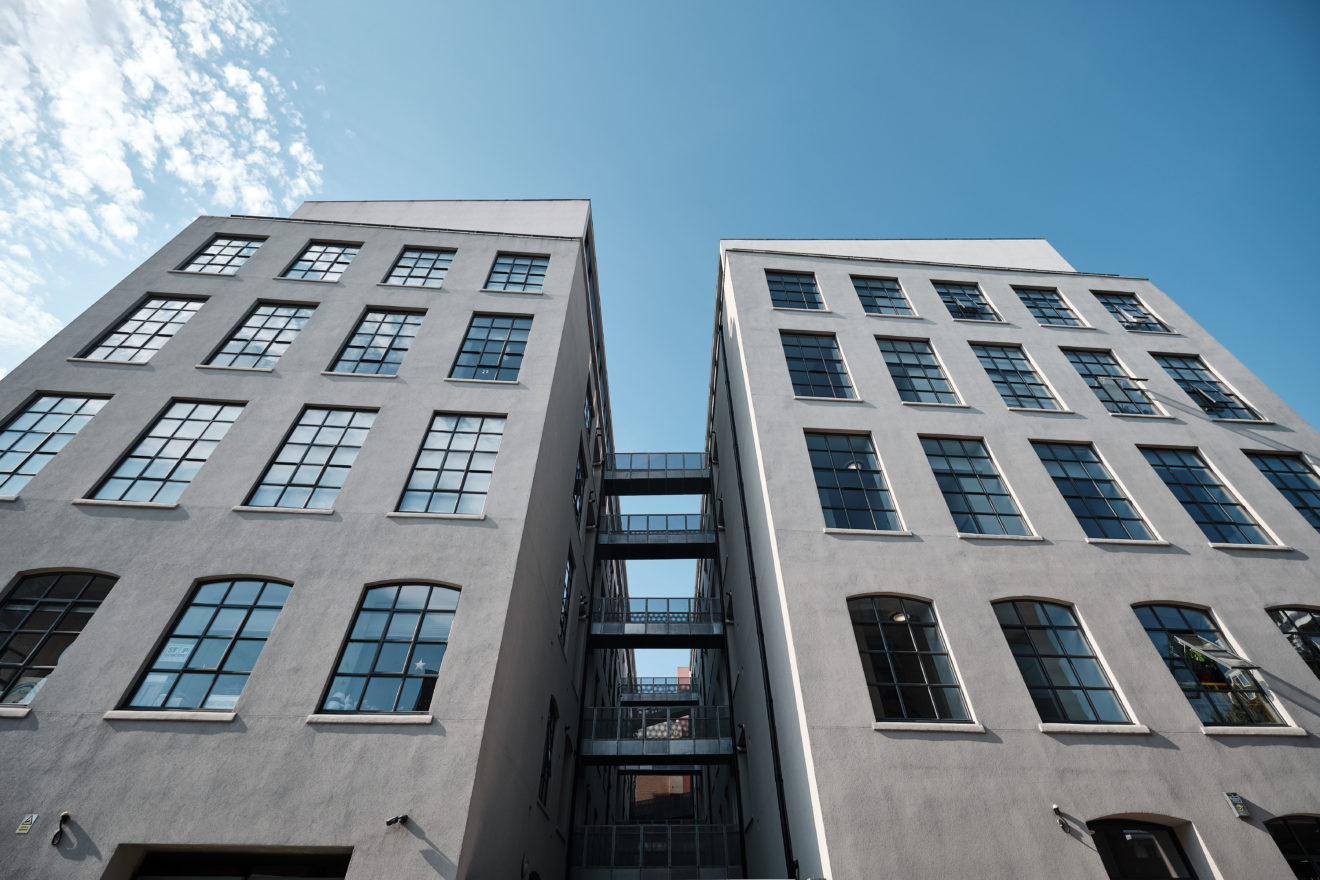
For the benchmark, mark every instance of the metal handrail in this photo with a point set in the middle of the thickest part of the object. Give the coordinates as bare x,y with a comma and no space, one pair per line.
657,846
655,461
652,523
655,685
624,609
657,722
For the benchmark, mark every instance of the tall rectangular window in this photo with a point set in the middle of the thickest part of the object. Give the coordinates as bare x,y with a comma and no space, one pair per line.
852,490
1060,669
378,344
393,652
43,428
1129,311
579,482
1014,377
314,461
521,272
566,600
966,301
1204,387
267,331
977,498
493,348
1218,683
212,647
1094,497
917,373
1301,626
420,267
908,672
453,469
881,296
142,333
793,290
39,620
163,463
1117,390
815,365
1047,306
1219,513
1294,478
223,255
322,261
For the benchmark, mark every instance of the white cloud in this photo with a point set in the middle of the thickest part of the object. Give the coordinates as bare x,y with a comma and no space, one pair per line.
103,99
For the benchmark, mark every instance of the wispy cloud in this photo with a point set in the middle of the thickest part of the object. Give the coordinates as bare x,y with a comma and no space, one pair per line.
106,100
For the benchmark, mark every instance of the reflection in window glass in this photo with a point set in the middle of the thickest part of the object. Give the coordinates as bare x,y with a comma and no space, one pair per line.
1047,306
212,647
1302,628
164,462
420,267
1219,513
908,672
966,301
1132,850
1014,377
35,435
881,296
223,256
39,620
322,261
916,371
1117,390
1129,311
266,332
453,470
852,490
1204,387
142,333
815,365
1295,479
1298,838
314,461
522,272
977,498
379,343
793,290
493,348
1094,497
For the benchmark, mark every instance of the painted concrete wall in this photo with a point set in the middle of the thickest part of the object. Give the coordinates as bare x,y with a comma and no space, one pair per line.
566,218
945,802
269,777
1010,253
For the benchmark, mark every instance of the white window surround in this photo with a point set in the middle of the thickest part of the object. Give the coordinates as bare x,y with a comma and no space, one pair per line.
370,718
167,715
930,726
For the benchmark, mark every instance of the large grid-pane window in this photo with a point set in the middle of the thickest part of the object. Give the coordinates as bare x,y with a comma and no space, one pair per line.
793,290
977,498
379,343
163,463
1302,628
1128,310
266,332
1093,495
908,671
39,620
314,461
1219,684
1014,377
525,272
917,373
1204,387
1298,838
548,752
881,296
1047,306
453,470
392,655
1117,390
420,267
1295,479
966,301
223,255
212,647
579,482
852,490
816,366
1060,669
566,600
1216,510
43,428
493,348
322,261
150,326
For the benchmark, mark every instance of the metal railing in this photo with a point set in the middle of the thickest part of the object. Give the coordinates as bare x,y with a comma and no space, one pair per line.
625,462
647,524
694,609
659,846
657,686
657,722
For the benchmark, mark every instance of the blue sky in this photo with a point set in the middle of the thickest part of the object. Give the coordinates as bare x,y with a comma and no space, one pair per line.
1173,140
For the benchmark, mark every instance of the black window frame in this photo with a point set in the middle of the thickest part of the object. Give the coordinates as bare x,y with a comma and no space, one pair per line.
1305,498
49,445
910,639
1206,389
138,314
952,484
524,266
433,456
405,323
882,296
856,496
410,252
917,372
783,296
1015,376
1058,313
1133,315
966,301
475,348
333,459
337,266
1208,493
1305,636
244,254
1304,860
1105,501
282,338
1115,387
816,366
27,589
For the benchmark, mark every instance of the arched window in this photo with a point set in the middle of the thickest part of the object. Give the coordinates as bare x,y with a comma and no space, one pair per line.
39,620
1298,838
908,671
392,655
1132,850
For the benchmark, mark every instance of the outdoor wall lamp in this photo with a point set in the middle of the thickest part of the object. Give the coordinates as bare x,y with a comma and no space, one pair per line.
59,832
1058,817
401,819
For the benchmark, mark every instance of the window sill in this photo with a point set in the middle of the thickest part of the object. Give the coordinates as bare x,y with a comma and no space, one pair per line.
306,280
1068,326
900,317
881,533
522,292
973,536
1263,730
314,511
930,726
82,360
1263,548
1243,421
1128,541
1142,416
831,399
820,311
207,275
4,499
1036,409
168,715
1152,332
100,502
410,286
417,514
15,711
981,321
361,375
366,718
938,405
483,381
236,369
1065,727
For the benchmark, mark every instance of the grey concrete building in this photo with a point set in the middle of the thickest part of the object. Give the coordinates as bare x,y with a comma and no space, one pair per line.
1057,596
314,563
